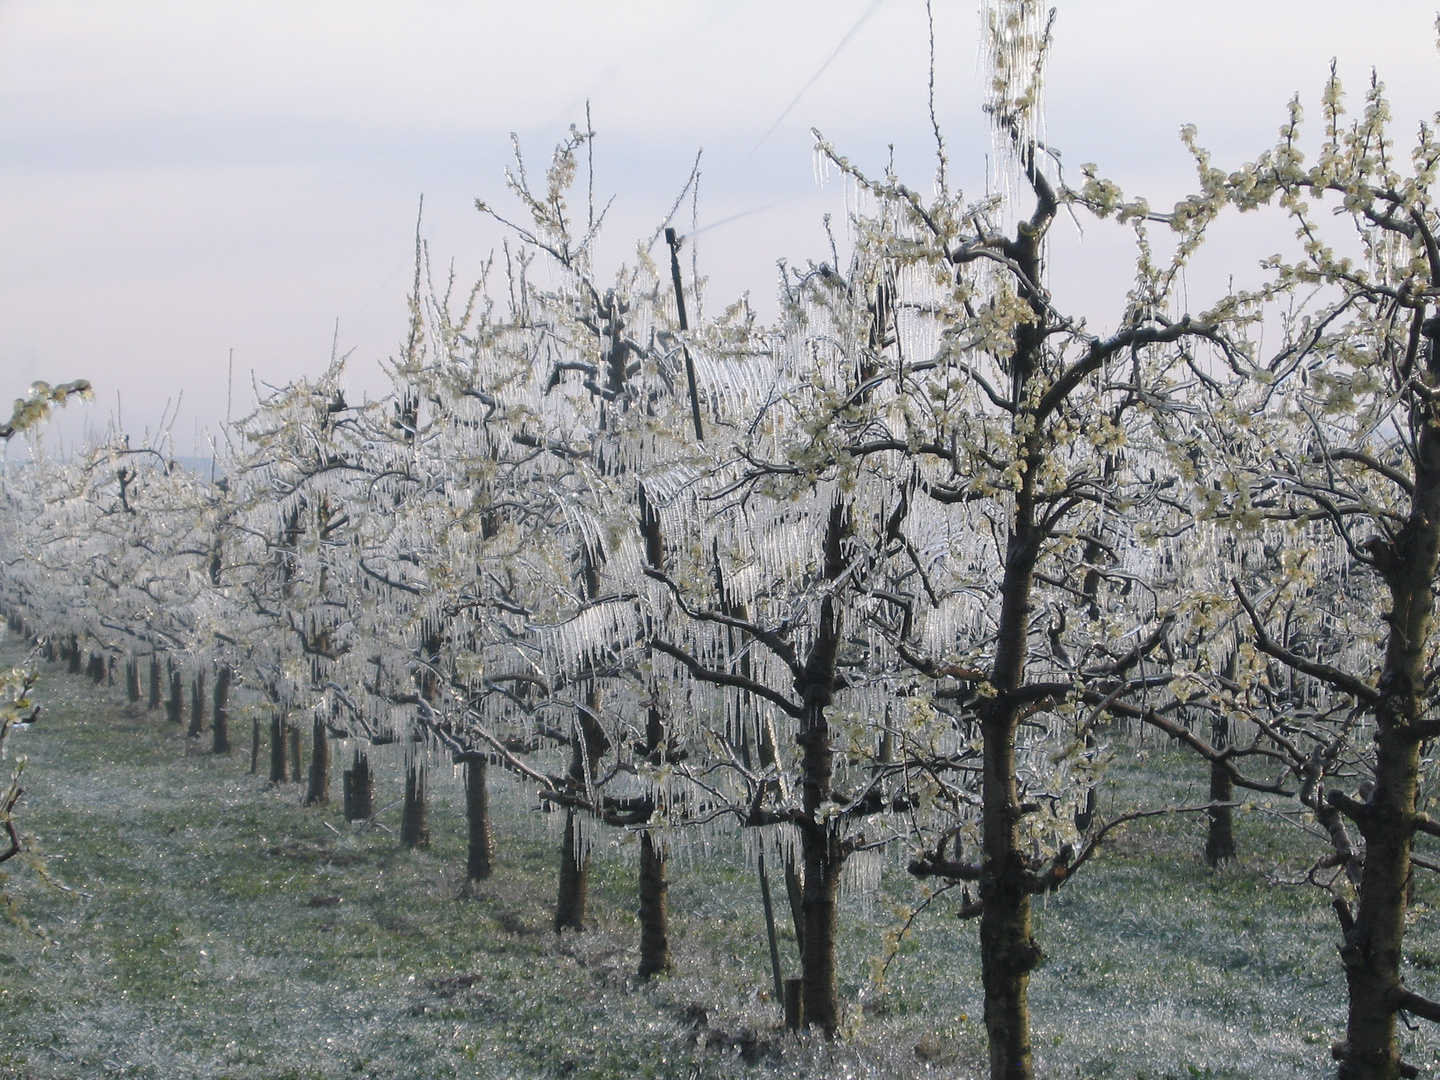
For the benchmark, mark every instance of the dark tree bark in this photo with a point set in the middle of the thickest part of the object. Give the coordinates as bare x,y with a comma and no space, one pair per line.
197,705
588,744
359,788
822,859
72,656
132,680
1220,837
1008,952
318,791
571,904
1388,818
175,705
156,692
654,909
292,732
279,760
654,880
480,854
821,850
415,814
220,710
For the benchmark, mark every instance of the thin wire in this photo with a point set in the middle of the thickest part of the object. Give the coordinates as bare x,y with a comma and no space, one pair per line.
874,5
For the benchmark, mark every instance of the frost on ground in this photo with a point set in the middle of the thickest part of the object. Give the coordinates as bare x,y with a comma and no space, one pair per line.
215,928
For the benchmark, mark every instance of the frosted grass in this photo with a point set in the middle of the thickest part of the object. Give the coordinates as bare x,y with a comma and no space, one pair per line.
195,951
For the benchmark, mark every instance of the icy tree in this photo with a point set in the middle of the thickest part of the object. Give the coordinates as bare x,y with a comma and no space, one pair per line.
292,492
523,424
17,709
1334,439
958,456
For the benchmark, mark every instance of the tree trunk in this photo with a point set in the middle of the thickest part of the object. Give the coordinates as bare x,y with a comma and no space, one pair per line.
820,889
72,664
278,772
480,857
318,792
293,733
1008,951
96,668
415,816
1371,952
156,693
821,850
822,858
175,706
1220,839
359,788
654,909
197,705
132,680
654,874
254,744
570,905
589,743
220,711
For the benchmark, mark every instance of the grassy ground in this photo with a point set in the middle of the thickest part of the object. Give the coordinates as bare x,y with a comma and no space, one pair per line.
215,928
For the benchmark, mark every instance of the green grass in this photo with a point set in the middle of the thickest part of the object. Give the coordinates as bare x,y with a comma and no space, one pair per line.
216,928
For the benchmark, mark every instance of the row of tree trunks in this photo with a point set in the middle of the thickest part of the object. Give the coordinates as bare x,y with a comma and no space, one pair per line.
359,780
285,753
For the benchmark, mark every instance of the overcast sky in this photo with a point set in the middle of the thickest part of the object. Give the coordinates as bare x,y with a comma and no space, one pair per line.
183,179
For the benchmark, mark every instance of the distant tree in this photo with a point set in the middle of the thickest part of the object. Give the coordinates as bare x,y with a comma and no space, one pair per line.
304,452
17,709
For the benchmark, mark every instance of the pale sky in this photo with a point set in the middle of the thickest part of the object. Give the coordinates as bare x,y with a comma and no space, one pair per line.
183,179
